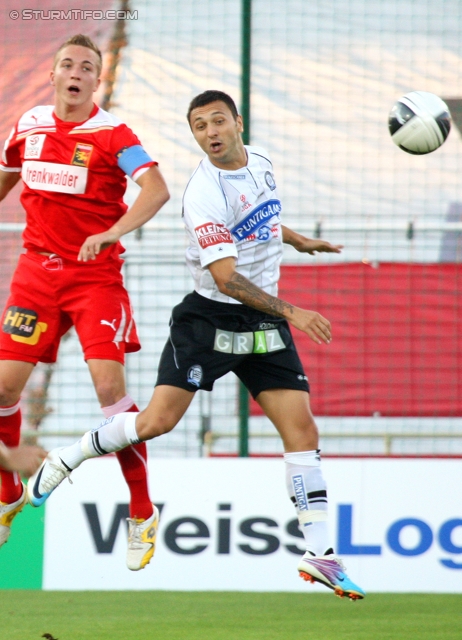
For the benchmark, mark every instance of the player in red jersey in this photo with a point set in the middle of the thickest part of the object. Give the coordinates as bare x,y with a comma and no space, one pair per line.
73,158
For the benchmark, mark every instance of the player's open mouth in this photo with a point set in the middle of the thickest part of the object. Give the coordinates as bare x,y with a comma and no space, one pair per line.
215,146
74,90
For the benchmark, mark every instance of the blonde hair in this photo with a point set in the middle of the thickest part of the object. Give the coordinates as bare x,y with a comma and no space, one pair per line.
81,41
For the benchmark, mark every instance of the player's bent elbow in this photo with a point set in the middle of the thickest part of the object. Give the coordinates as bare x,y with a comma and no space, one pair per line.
166,195
160,199
163,194
222,287
222,273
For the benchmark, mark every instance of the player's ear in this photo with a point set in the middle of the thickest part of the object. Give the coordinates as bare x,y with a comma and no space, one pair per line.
52,77
98,82
240,124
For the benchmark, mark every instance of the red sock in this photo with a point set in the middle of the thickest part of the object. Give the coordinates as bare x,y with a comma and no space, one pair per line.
133,462
10,425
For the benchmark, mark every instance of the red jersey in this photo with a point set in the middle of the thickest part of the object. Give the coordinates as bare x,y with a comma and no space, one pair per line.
74,176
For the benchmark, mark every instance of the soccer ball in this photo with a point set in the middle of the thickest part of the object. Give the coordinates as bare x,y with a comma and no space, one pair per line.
419,122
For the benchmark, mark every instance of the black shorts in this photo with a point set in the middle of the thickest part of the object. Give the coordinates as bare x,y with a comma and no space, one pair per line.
209,338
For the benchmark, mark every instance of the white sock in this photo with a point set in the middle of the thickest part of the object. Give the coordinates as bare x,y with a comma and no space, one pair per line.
113,434
307,490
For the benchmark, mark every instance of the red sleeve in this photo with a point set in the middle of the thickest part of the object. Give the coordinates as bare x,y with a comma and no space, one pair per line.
11,157
123,137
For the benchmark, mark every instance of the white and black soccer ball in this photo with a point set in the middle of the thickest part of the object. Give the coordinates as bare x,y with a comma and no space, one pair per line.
419,122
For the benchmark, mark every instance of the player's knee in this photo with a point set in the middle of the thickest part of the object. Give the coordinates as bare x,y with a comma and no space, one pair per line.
108,392
9,393
311,433
150,426
303,436
312,427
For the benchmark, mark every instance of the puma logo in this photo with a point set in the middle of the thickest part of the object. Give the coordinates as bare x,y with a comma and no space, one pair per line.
109,324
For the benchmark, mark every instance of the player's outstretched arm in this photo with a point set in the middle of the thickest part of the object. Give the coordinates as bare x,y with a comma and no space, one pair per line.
153,195
308,245
235,285
8,179
24,459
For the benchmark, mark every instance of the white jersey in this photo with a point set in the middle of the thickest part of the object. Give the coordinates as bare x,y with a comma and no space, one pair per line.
234,213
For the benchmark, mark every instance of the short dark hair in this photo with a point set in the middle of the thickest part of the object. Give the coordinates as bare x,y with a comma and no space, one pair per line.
212,95
81,41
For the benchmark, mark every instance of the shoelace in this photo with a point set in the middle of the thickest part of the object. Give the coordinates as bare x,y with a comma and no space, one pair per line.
330,558
339,566
340,563
134,533
55,478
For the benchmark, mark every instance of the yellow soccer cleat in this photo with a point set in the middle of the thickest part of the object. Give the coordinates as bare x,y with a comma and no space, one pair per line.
141,541
7,514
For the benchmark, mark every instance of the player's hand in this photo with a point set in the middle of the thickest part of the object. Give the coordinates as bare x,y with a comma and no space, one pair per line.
308,245
93,245
313,324
25,459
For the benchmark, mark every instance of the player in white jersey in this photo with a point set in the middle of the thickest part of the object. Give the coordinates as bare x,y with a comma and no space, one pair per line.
233,321
240,218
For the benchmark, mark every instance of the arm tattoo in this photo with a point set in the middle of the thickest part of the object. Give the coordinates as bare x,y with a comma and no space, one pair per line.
242,289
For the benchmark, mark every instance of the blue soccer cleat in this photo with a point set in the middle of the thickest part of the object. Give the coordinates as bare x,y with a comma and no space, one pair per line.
329,570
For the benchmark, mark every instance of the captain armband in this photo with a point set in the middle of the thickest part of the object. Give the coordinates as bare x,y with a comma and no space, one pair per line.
131,159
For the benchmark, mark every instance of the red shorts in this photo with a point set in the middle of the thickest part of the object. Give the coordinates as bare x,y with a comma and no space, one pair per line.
49,295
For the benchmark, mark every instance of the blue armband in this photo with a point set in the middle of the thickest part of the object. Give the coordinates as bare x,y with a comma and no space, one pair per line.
132,158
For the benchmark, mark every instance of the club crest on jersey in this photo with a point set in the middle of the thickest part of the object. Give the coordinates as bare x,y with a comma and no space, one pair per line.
195,375
34,146
256,219
269,179
82,153
22,325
